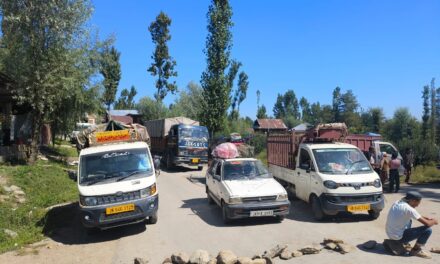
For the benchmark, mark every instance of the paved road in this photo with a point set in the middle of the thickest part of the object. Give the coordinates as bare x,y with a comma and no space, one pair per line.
187,222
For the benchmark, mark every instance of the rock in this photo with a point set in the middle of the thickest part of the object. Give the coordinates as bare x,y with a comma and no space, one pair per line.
259,261
286,254
435,250
10,233
268,260
244,260
297,253
15,188
140,261
333,240
369,244
7,189
167,261
331,246
345,248
180,258
19,193
310,250
274,252
21,200
257,257
4,198
199,257
226,257
213,261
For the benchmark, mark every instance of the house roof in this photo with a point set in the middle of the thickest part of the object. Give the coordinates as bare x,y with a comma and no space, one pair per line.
123,112
122,119
270,124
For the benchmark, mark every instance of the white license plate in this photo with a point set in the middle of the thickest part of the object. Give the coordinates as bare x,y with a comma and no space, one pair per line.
261,213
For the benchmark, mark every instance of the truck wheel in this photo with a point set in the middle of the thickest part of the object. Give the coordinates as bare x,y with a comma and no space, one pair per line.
210,200
374,214
225,216
317,209
152,219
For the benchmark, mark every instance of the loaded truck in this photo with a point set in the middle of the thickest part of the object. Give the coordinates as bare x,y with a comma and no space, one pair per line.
179,141
319,168
116,176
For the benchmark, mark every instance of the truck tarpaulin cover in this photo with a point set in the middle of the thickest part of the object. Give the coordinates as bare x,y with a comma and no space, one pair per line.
225,151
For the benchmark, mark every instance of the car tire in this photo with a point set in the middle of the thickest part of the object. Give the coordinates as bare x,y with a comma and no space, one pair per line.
374,214
152,219
210,200
280,218
318,213
226,219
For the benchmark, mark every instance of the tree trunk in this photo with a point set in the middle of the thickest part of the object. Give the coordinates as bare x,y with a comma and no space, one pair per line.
36,128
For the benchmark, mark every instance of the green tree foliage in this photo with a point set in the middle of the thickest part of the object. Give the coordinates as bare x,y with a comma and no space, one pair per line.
336,104
45,42
163,64
151,109
188,103
434,118
372,120
426,112
240,94
126,100
278,109
216,91
306,111
110,68
261,112
287,108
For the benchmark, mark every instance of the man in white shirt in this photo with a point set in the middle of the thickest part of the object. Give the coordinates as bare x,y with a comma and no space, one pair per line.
398,226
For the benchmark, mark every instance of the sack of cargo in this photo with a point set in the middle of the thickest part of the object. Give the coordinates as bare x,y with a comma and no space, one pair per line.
246,151
225,151
329,132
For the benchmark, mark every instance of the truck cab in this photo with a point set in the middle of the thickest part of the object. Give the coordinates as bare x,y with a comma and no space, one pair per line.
117,185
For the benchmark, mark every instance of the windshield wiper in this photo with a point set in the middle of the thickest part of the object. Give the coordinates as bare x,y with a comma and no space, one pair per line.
93,182
129,175
351,165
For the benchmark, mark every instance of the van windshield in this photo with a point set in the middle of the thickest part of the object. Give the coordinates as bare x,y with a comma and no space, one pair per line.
341,161
113,166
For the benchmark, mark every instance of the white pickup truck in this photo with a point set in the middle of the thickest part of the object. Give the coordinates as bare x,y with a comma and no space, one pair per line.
243,188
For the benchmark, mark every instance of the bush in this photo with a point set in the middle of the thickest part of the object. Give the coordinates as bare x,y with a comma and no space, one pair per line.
424,151
258,141
425,174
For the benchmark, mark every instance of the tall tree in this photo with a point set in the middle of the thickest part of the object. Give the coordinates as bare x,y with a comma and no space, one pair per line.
214,82
426,112
434,117
232,73
291,106
151,109
261,113
336,104
44,42
278,109
306,115
188,103
110,69
163,64
240,94
126,100
315,113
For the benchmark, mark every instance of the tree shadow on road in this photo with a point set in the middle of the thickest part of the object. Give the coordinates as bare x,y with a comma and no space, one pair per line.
63,224
211,214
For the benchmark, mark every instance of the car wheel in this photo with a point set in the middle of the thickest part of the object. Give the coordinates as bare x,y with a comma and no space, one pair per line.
210,200
317,209
280,218
152,219
374,214
225,216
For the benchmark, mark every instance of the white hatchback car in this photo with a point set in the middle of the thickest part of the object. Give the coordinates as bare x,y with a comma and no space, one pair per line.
244,188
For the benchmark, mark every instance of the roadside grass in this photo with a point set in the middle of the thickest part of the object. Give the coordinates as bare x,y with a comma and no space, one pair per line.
63,150
425,174
262,156
46,184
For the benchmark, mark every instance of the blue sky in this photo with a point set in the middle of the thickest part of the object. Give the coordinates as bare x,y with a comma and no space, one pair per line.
385,51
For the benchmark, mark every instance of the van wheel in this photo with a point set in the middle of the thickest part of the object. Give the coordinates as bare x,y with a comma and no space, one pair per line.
317,209
152,219
374,214
225,216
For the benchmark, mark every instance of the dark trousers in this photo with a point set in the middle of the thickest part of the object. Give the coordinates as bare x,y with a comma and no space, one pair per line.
394,180
421,233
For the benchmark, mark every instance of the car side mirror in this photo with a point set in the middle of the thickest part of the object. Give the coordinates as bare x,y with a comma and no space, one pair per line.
73,175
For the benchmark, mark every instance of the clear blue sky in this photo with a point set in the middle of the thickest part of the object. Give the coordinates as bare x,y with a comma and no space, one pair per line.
385,51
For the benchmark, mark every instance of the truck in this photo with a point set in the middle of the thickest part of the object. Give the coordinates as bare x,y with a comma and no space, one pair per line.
320,169
179,141
365,141
116,177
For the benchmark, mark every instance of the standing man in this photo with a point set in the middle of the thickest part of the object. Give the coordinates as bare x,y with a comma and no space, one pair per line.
408,162
398,226
394,173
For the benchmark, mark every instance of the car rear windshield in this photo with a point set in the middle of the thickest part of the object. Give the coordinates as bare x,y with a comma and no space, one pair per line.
244,169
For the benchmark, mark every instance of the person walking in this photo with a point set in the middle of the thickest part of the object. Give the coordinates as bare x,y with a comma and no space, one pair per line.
394,173
408,162
399,230
384,168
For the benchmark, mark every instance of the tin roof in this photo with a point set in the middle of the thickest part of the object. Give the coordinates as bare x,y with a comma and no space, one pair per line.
269,124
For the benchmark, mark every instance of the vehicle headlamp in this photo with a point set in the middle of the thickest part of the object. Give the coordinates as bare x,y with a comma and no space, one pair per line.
331,184
282,197
150,191
377,183
88,200
234,200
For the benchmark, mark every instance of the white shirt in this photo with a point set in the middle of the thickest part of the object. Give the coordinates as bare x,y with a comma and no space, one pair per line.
399,219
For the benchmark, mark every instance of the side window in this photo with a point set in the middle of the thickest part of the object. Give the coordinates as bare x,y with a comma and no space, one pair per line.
212,169
387,148
304,160
218,170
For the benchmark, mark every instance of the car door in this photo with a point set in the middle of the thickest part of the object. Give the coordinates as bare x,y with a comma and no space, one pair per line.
303,174
214,180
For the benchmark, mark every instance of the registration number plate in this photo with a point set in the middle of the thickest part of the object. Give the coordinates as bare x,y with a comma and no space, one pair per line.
358,207
119,209
195,160
261,213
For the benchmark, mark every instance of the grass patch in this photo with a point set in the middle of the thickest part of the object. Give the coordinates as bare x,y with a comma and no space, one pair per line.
425,174
46,183
63,150
262,156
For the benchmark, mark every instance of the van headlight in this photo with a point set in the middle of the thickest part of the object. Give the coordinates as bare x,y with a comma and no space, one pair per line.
88,200
377,183
330,184
234,200
150,191
282,197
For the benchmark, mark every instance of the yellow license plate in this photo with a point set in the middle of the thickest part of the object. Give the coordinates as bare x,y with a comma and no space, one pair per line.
195,160
119,209
358,207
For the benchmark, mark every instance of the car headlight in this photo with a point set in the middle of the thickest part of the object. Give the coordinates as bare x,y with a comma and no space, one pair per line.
234,200
330,184
282,197
377,183
150,191
88,200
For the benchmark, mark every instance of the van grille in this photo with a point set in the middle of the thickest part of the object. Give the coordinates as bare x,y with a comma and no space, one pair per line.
354,199
114,198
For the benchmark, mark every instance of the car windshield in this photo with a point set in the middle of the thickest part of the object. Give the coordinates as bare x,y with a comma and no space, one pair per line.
114,165
244,169
341,161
